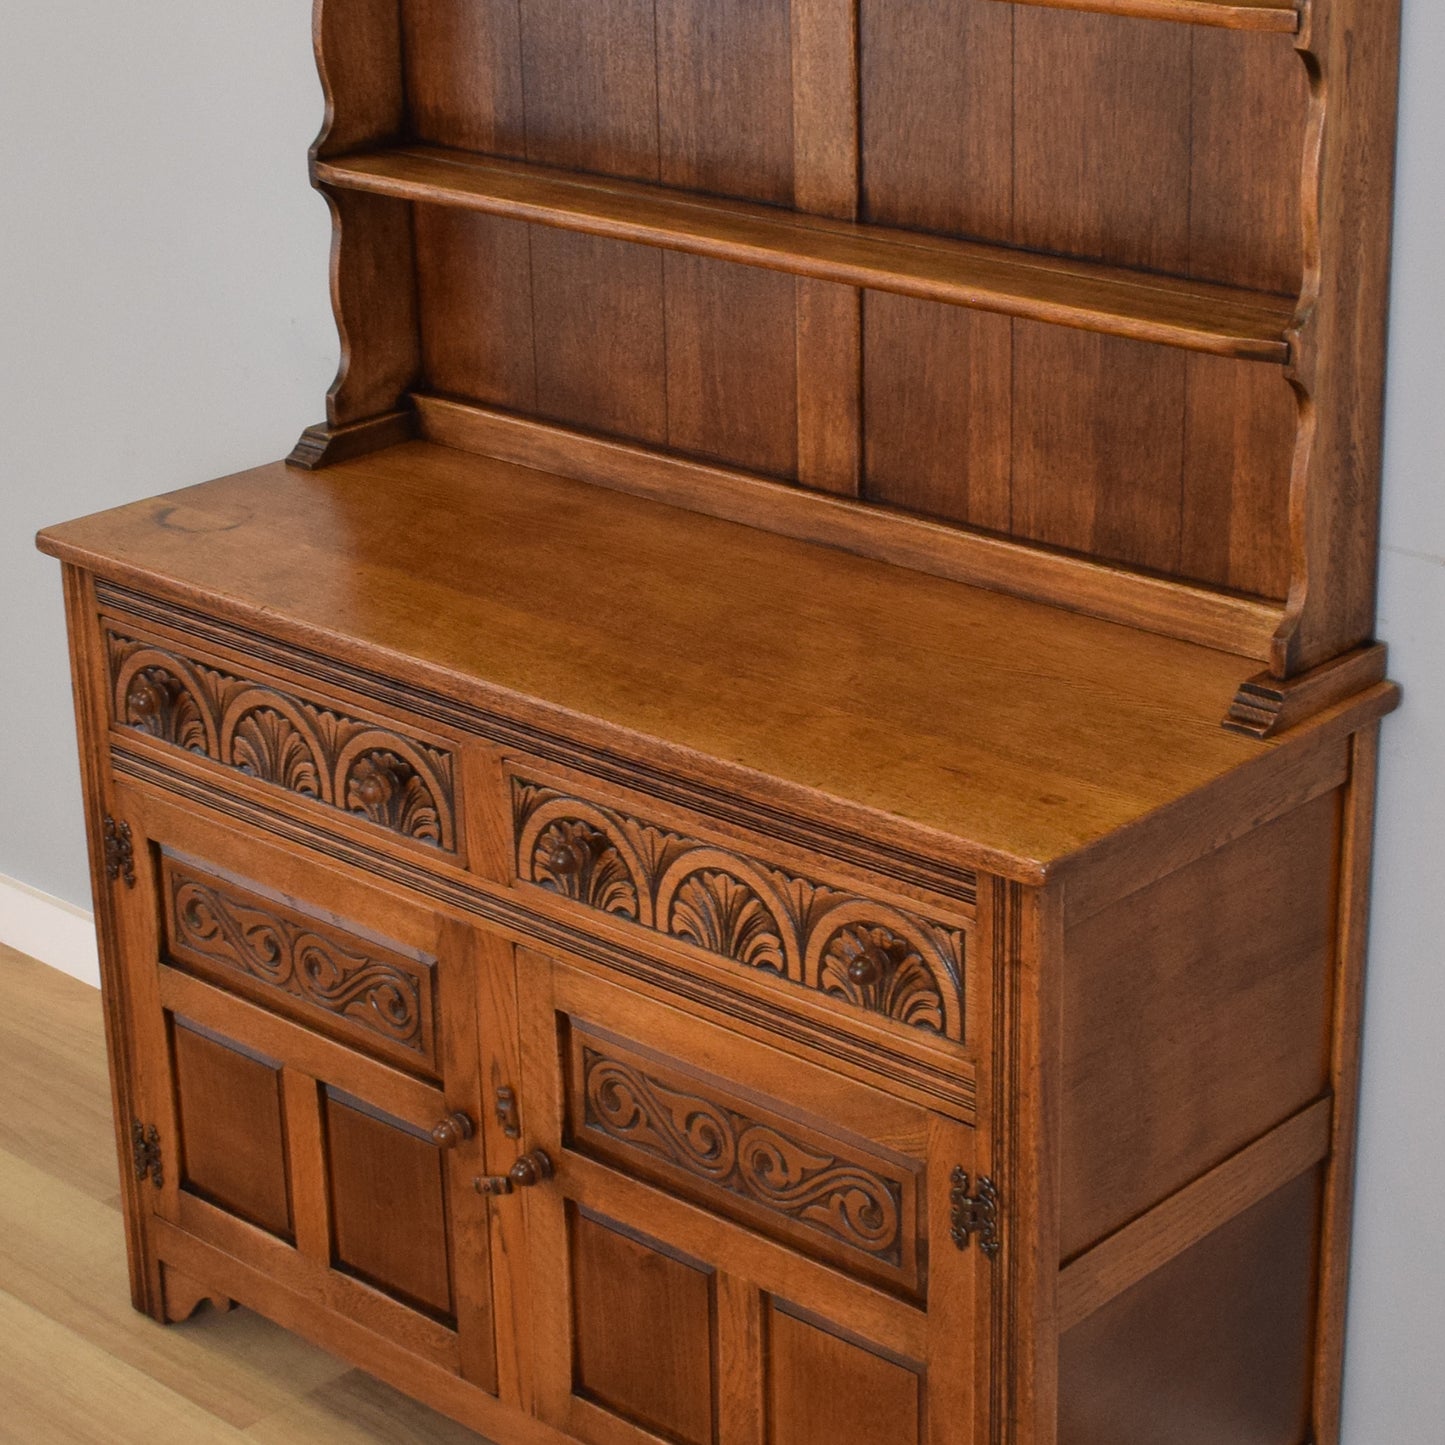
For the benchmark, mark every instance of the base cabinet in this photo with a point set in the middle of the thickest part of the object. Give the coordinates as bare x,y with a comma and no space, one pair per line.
588,1114
634,1224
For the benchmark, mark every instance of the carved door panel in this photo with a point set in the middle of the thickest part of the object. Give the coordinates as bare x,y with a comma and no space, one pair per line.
309,1082
730,1245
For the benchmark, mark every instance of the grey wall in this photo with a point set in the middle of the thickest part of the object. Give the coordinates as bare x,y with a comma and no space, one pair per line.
163,318
164,314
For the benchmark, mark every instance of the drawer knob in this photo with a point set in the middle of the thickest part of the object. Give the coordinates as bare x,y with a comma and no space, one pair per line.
144,700
568,856
453,1130
531,1169
868,967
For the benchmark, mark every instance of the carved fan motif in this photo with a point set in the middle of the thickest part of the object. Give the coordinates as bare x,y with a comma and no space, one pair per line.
310,751
874,968
268,746
579,862
721,914
160,704
753,1160
812,934
387,790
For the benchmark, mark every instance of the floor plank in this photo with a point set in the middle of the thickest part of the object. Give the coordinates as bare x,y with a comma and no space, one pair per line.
77,1363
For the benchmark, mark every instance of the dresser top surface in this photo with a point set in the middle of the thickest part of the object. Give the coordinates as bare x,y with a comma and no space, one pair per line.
1026,730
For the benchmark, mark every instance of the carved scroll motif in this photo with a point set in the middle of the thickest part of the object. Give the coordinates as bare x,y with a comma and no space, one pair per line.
287,742
744,1156
278,948
870,955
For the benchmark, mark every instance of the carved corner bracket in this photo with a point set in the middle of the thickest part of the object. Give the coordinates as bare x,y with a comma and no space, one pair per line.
1266,706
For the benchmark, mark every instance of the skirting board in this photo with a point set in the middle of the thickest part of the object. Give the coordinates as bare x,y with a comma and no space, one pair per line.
49,929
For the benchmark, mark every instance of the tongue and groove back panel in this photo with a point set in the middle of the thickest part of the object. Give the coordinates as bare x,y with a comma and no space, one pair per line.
1174,151
1125,450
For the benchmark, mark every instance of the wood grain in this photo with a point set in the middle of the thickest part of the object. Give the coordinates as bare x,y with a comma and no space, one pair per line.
823,1386
464,75
1227,1325
589,77
732,364
725,98
644,1340
1091,1281
1269,15
1210,618
1220,971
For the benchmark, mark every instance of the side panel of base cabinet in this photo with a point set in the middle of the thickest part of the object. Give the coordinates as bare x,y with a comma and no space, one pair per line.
1209,1049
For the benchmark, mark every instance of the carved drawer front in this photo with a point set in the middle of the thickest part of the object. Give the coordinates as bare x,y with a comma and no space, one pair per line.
326,755
837,1197
880,958
374,996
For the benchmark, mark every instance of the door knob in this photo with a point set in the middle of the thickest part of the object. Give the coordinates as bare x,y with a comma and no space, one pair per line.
529,1170
453,1130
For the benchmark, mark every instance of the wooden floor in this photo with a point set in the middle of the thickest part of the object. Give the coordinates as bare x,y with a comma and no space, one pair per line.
77,1365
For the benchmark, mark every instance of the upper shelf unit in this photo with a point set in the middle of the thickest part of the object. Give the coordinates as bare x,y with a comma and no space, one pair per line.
1266,15
1194,315
1061,277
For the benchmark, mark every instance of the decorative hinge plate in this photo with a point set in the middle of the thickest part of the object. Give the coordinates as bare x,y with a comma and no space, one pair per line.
145,1144
119,852
976,1212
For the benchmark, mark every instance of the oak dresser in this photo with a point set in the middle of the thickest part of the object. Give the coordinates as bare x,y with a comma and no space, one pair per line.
764,839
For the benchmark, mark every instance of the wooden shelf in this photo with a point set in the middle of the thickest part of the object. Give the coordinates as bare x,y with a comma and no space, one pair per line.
1194,315
1276,16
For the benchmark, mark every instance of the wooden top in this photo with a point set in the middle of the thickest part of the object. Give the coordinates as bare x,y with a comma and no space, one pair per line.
1027,731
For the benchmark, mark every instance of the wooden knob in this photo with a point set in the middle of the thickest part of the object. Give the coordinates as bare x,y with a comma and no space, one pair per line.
376,781
453,1130
868,967
531,1169
566,858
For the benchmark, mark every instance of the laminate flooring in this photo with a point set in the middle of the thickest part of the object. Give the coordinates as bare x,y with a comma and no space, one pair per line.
78,1366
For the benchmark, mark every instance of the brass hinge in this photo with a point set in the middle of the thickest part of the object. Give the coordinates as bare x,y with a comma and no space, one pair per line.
976,1212
145,1145
119,852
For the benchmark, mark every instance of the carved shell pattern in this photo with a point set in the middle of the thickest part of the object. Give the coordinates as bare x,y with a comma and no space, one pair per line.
721,914
730,906
577,861
753,1160
309,751
159,704
314,968
874,968
267,745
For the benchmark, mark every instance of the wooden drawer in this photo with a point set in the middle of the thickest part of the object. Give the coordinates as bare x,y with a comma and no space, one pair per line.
252,725
668,878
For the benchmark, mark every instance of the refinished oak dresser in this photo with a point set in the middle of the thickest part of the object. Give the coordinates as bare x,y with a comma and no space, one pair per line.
764,839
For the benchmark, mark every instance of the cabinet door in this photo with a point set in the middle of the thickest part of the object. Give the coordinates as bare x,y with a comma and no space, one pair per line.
732,1245
307,1052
